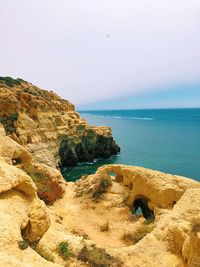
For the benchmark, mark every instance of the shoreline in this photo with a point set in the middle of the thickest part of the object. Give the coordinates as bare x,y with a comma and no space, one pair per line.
167,144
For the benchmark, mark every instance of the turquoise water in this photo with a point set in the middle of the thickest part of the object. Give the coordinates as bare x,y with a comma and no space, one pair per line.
167,140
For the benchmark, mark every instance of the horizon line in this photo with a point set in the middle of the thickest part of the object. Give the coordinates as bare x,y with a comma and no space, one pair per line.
79,110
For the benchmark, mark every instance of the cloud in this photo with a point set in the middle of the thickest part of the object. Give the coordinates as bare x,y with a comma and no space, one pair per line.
95,50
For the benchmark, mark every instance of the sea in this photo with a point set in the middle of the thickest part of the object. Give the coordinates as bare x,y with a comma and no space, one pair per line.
167,140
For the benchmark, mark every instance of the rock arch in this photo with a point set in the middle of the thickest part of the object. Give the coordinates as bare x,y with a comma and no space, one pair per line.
142,202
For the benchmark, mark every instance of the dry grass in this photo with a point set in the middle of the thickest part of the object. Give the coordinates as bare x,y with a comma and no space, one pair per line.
133,237
48,189
98,257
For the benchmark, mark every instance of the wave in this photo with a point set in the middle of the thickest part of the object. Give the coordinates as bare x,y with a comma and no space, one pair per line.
132,118
129,118
137,118
121,117
117,117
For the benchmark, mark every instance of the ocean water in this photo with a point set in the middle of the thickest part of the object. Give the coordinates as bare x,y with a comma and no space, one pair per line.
163,139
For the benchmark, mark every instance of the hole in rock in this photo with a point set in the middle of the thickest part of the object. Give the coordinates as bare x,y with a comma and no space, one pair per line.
173,203
16,161
140,205
111,174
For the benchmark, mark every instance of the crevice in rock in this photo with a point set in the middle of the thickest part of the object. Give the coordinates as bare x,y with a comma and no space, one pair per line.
16,161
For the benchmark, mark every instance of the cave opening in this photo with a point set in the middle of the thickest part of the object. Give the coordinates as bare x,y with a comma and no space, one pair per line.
141,204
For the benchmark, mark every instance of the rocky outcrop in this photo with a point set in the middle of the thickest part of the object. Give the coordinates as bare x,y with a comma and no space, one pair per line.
49,127
160,189
20,208
96,142
12,152
108,197
31,233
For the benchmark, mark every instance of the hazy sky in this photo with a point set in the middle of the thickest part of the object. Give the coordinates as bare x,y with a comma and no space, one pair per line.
105,53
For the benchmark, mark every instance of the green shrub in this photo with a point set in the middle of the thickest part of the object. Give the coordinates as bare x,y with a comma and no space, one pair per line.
8,122
33,245
21,80
65,250
23,244
101,188
104,183
10,82
14,116
97,257
26,90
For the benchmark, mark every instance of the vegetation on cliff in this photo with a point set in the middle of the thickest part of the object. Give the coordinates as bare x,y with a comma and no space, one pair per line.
10,82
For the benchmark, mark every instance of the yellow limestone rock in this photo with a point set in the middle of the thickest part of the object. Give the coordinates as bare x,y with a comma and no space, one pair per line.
43,123
12,152
171,240
25,216
162,190
175,239
20,209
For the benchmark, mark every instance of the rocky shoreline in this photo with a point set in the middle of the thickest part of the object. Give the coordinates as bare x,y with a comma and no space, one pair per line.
90,222
49,127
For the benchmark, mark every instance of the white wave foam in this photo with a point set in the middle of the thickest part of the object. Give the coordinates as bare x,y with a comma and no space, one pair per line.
134,118
121,117
99,116
137,118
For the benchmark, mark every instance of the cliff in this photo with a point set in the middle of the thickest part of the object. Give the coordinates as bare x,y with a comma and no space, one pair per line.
49,127
32,234
96,221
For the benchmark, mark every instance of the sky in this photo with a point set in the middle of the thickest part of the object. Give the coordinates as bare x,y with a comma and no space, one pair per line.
105,54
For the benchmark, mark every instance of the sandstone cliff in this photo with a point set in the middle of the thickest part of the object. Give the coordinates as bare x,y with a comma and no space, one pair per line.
31,233
49,127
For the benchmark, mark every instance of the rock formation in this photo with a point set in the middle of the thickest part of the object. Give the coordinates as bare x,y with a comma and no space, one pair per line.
49,127
173,239
91,222
31,233
19,207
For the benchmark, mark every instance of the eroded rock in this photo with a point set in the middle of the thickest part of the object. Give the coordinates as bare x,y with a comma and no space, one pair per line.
94,219
49,127
169,240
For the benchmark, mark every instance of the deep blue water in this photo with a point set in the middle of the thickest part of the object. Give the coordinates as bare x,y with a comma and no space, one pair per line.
163,139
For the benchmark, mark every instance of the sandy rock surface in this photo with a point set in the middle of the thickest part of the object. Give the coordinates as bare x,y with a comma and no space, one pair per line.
172,239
